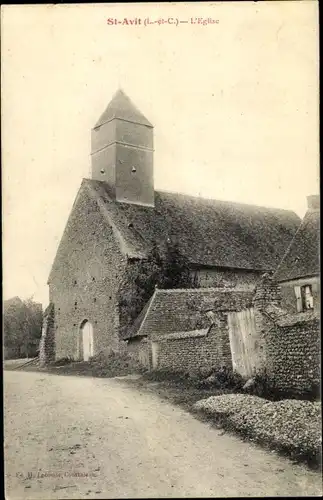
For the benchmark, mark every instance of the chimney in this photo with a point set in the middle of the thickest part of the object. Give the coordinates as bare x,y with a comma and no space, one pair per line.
313,202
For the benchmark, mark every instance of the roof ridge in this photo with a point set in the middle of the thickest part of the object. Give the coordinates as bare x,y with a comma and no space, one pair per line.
241,203
206,289
148,304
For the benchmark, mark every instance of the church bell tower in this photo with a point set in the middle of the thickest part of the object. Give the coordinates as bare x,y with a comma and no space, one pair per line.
122,152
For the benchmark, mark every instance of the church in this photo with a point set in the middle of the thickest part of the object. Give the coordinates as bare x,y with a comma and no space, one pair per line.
118,216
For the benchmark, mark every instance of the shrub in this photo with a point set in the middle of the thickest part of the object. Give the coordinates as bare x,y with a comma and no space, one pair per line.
113,364
62,361
165,375
223,379
289,426
266,387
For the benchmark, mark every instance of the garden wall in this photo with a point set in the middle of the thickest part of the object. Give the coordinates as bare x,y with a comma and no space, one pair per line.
293,354
195,350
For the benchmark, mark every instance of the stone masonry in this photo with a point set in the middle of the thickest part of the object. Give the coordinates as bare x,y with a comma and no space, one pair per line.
291,342
293,354
47,341
196,352
205,342
267,293
85,288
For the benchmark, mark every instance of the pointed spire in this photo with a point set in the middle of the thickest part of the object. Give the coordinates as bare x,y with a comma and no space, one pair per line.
122,107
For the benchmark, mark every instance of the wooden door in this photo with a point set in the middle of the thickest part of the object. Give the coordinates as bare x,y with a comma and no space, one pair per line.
87,337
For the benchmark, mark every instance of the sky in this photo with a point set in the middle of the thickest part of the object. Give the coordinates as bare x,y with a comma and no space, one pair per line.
234,104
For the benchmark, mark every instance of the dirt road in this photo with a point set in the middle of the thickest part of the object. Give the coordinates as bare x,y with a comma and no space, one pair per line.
78,437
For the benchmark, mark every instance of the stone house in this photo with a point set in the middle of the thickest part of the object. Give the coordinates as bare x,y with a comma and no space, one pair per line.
289,341
118,216
248,332
299,271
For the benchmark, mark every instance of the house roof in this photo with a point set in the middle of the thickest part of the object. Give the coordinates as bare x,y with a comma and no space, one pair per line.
209,232
186,335
302,256
133,329
184,310
283,318
123,108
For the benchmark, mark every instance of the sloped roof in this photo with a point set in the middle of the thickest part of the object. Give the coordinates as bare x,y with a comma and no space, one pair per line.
283,318
186,335
302,256
123,108
209,232
296,318
133,329
184,310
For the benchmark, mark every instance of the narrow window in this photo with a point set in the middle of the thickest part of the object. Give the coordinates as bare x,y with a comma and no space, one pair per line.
304,298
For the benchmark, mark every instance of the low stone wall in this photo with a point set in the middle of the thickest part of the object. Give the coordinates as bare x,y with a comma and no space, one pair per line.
196,350
293,355
140,349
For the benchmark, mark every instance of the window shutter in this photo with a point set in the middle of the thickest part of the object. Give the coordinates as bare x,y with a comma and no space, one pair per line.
298,294
311,302
309,297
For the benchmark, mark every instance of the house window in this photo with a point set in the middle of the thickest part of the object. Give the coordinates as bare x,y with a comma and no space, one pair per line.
304,297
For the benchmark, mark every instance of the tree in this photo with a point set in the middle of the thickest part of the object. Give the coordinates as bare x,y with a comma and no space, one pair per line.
175,269
22,327
165,267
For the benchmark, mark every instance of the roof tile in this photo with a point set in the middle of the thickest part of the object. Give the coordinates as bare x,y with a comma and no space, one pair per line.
302,256
209,232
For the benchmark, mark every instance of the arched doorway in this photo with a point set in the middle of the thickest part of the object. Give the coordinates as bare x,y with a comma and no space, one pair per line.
87,340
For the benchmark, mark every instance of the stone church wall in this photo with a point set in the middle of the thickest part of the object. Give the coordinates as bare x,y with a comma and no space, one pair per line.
84,284
230,278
